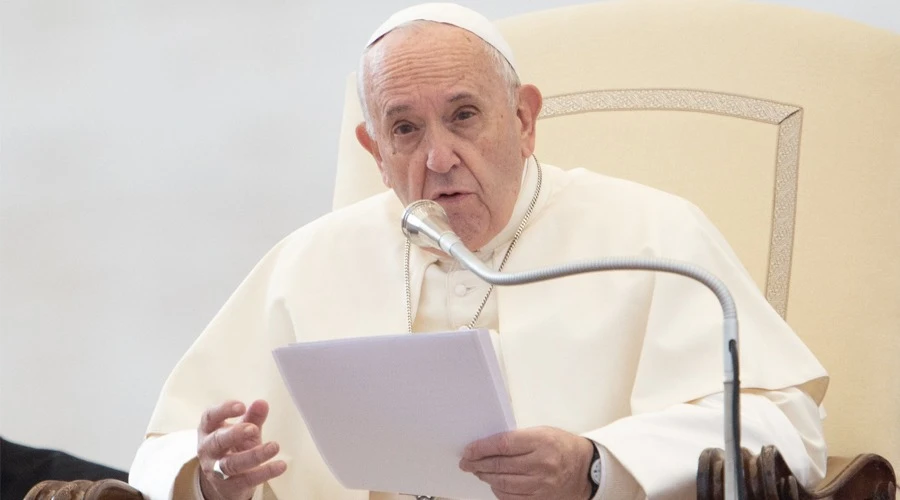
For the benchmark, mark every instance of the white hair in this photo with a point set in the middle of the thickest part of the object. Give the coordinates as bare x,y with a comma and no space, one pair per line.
369,65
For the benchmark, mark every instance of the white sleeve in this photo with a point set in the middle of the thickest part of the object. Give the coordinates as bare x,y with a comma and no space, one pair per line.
654,455
166,468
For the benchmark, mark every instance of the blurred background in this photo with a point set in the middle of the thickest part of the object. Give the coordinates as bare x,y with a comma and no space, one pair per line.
150,154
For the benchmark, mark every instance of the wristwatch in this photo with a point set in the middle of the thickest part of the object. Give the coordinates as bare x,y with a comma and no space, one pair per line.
594,471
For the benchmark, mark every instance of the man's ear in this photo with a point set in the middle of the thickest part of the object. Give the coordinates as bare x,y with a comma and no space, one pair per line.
369,144
530,103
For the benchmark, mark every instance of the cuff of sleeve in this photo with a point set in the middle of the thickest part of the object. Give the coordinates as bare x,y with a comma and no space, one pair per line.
164,462
615,480
197,492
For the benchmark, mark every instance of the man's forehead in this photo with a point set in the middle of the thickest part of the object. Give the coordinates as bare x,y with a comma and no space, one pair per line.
451,14
437,60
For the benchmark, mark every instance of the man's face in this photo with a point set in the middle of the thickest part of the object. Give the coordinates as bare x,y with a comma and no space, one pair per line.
444,128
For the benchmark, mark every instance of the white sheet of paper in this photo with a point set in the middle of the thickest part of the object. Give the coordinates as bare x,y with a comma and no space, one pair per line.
394,413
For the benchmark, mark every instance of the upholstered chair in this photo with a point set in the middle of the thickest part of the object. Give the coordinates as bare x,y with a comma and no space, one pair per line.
782,125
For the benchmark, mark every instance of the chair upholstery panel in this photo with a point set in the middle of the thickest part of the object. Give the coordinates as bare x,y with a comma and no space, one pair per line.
798,165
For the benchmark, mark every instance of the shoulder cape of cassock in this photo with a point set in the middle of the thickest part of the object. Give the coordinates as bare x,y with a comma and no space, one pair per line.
579,352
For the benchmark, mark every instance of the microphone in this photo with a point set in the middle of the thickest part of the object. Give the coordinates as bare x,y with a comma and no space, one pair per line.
426,225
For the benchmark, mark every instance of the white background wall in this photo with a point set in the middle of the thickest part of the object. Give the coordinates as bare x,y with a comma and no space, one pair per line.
150,153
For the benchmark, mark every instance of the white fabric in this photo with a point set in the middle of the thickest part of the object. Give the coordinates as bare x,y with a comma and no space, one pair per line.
646,445
167,467
586,354
160,460
448,13
616,481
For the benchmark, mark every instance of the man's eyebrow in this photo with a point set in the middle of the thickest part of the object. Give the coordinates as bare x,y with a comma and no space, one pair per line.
461,96
394,110
401,108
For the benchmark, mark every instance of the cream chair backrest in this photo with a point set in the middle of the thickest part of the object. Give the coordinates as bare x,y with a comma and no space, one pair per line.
782,125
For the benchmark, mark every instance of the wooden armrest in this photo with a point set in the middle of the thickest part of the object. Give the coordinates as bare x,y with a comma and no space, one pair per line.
767,477
105,489
863,476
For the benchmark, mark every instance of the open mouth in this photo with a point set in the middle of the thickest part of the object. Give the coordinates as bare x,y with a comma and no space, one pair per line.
452,197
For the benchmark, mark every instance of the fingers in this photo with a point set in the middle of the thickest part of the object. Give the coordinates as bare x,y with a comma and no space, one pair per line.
214,417
503,495
236,437
509,485
239,463
504,444
241,486
257,476
553,463
518,464
257,413
238,449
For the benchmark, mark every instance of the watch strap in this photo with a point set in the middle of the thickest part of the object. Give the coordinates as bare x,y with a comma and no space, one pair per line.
594,479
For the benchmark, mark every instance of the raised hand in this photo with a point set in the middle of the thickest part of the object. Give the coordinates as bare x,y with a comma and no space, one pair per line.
242,457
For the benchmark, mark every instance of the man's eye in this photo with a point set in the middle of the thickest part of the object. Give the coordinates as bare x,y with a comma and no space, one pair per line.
464,114
403,129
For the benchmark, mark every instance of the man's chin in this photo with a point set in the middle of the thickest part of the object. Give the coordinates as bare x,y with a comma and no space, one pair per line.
472,235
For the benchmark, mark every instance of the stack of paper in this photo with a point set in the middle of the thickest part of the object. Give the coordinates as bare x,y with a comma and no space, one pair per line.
394,413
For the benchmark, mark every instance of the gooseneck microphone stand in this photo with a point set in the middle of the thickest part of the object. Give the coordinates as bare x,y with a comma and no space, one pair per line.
426,225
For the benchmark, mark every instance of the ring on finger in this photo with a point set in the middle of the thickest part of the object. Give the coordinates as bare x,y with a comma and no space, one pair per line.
217,468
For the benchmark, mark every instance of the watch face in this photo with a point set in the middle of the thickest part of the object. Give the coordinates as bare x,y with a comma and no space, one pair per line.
595,471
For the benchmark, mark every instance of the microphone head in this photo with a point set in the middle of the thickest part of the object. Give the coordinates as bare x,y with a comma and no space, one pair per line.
424,223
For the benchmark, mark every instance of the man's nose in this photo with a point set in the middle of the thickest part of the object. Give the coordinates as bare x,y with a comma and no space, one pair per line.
441,152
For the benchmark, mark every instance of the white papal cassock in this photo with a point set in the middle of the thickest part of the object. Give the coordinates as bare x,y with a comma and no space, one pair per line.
629,359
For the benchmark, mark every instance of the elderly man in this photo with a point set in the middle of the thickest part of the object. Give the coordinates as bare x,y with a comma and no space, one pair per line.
614,377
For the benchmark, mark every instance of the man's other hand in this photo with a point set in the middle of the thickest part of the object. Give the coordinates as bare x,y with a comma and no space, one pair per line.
239,449
538,463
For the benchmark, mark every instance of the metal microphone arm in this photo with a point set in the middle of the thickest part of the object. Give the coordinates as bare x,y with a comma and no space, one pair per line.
425,223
